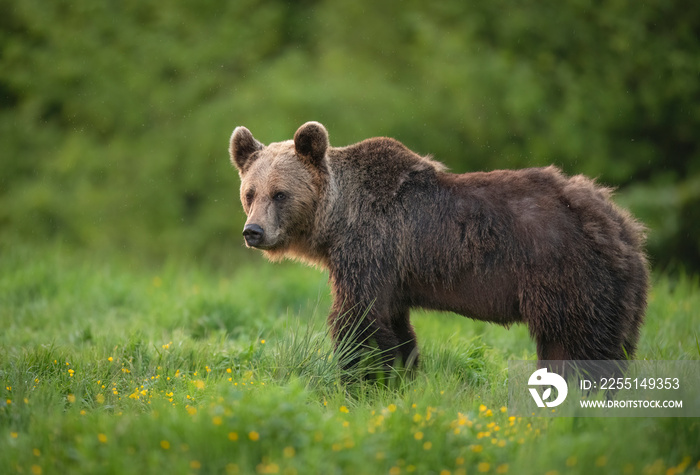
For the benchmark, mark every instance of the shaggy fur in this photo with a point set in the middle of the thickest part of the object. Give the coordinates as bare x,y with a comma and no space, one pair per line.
396,231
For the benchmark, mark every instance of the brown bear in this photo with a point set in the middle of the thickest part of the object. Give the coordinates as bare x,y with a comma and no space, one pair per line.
396,231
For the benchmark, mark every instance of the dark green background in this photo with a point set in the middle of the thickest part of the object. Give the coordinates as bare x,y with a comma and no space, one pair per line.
115,115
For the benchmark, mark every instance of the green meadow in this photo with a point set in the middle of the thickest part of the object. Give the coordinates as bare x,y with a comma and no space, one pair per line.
110,366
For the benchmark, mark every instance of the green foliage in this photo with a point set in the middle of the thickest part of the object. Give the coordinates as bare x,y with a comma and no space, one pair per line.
114,117
103,369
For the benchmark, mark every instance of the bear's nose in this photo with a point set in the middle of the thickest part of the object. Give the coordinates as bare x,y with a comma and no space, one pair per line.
253,234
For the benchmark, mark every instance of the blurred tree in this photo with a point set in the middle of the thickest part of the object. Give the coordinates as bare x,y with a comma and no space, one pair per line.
114,116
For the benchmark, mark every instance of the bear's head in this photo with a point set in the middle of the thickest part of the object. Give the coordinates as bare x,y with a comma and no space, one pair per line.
280,188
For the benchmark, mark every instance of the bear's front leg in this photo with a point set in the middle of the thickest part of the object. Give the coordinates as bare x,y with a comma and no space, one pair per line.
368,310
408,345
360,331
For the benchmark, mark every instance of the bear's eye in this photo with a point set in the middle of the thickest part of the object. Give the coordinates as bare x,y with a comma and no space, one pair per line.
249,197
279,196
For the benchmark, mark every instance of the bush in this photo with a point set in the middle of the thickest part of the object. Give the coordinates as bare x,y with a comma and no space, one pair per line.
114,118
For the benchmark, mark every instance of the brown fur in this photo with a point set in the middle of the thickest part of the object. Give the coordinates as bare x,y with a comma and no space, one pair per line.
396,231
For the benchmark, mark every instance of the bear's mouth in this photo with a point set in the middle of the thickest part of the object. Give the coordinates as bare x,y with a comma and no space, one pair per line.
265,246
260,247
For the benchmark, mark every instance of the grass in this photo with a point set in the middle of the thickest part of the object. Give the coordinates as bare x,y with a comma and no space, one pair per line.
113,367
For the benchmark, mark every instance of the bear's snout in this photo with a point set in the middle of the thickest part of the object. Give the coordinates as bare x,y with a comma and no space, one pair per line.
253,235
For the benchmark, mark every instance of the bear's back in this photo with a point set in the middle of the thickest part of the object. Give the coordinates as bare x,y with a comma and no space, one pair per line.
376,169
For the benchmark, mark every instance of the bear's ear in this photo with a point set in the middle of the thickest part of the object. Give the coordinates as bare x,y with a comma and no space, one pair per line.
243,145
311,142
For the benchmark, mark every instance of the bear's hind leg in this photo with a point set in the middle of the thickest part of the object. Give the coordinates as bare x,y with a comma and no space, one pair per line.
549,349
